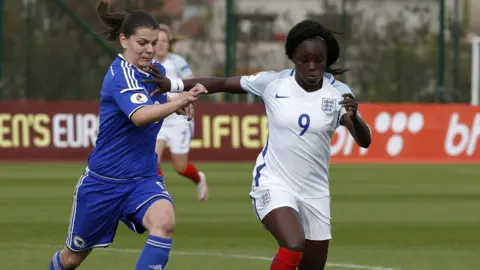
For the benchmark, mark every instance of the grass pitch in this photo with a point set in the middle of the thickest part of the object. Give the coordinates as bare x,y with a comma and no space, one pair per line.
399,217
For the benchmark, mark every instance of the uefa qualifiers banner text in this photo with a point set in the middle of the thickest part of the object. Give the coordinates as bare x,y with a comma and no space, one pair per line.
402,133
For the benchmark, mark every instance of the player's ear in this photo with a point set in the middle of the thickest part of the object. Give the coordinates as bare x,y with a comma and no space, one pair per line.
123,41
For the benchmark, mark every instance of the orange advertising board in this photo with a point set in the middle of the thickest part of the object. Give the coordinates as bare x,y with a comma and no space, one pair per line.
414,133
402,133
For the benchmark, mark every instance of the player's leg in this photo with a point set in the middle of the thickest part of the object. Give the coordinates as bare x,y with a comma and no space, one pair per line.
189,170
278,211
66,259
159,220
150,209
159,148
315,214
93,221
180,139
315,255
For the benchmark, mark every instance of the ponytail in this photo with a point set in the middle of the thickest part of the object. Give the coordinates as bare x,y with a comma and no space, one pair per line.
123,22
113,20
335,71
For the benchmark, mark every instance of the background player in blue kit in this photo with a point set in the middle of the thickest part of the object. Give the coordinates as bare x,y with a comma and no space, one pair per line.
304,107
121,181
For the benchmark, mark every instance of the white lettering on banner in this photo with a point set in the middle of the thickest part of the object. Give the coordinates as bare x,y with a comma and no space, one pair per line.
91,125
59,130
74,138
74,131
468,139
398,123
344,142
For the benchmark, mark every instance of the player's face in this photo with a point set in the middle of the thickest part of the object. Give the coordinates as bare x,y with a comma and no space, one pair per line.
310,60
139,48
162,45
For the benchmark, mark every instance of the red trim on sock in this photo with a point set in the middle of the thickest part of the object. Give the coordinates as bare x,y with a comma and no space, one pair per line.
160,172
289,257
191,172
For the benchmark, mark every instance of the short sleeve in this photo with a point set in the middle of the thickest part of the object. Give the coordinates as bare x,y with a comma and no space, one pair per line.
128,93
257,83
181,67
160,67
342,89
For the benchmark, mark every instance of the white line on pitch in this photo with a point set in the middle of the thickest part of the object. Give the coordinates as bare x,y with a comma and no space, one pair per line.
208,254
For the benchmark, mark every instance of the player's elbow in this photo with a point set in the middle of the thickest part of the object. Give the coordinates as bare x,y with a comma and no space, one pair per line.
139,121
365,141
140,118
365,144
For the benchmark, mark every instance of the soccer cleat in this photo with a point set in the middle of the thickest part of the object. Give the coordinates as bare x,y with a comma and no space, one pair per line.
202,188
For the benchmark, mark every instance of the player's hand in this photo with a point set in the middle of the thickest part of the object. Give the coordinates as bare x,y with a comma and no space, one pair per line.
185,99
350,104
181,111
159,79
198,90
191,96
188,111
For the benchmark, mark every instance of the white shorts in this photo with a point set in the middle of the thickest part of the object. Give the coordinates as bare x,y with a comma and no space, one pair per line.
314,212
177,136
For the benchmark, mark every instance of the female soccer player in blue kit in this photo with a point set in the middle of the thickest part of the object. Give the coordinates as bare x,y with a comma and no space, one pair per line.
121,182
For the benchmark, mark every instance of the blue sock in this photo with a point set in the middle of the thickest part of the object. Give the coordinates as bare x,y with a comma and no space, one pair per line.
155,254
55,263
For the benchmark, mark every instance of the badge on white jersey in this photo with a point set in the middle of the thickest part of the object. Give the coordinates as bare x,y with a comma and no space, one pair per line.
328,105
138,98
264,199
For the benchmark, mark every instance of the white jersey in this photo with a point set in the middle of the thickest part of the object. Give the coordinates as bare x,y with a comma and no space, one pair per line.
300,127
176,67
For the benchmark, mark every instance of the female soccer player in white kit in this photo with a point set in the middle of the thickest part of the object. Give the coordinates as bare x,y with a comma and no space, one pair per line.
304,107
176,131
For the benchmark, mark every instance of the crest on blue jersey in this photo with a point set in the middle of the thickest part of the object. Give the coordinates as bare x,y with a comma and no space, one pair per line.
328,106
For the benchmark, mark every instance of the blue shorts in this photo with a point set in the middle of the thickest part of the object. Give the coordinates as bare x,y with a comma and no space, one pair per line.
99,203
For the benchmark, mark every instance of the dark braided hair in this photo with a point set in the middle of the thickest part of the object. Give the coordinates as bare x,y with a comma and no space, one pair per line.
309,29
124,22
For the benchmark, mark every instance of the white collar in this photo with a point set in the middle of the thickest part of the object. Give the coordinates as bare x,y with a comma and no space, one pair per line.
138,69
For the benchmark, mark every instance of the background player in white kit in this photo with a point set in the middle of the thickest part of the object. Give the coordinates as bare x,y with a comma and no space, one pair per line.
304,107
176,131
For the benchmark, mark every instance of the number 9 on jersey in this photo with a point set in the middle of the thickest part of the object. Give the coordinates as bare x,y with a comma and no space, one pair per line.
304,123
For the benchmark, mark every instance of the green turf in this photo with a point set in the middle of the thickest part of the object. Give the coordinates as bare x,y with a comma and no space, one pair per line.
402,217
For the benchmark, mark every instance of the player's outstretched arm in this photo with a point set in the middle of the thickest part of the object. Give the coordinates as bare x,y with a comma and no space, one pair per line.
355,124
216,85
152,113
213,84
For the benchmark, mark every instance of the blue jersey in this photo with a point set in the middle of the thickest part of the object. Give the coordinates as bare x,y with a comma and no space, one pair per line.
124,150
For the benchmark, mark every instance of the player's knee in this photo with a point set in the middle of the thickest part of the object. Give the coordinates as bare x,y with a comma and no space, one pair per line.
179,167
72,260
179,171
294,243
160,219
179,162
162,227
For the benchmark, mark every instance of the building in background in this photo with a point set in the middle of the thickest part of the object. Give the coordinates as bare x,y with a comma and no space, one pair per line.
380,40
401,30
